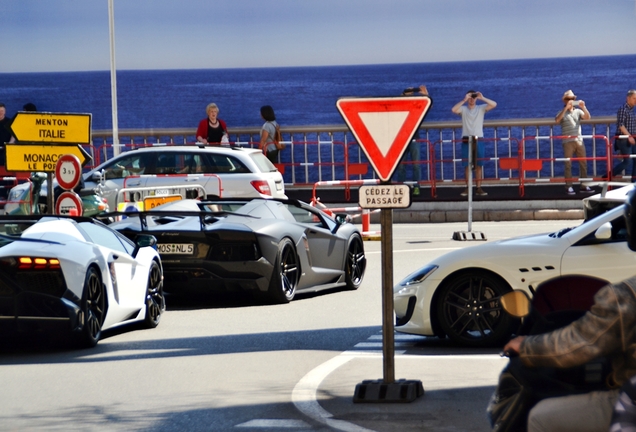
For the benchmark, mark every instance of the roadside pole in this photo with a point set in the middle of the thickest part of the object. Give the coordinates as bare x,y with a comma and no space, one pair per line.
470,235
388,346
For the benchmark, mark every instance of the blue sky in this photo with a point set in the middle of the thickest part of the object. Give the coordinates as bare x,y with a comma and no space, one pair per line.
73,35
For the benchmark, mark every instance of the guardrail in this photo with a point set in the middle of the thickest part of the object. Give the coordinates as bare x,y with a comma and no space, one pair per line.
330,153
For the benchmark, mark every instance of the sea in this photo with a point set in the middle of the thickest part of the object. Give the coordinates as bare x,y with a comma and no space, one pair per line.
176,98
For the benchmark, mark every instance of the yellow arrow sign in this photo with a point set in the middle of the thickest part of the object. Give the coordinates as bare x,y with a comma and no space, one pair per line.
52,127
31,157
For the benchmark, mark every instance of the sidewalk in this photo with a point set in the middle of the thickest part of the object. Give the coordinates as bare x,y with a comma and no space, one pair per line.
457,389
549,202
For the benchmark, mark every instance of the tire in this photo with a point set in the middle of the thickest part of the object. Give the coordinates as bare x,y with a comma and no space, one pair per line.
93,309
284,281
155,300
355,263
469,311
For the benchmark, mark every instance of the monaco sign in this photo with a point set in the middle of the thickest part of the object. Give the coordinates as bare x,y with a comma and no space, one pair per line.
44,157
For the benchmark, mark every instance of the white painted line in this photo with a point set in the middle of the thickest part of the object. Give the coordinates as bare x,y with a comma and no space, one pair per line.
304,395
274,423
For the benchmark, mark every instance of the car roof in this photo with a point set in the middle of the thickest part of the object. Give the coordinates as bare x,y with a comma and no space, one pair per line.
192,148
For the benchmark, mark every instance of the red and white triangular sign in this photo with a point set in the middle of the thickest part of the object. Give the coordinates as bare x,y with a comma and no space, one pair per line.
384,127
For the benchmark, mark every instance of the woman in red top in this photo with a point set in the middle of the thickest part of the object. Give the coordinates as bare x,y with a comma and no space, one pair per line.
212,130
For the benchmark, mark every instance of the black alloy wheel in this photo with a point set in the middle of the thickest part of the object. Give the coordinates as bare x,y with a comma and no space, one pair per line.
282,287
93,309
355,263
470,313
155,300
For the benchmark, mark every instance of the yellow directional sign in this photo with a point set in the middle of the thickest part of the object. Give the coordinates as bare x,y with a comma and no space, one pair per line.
52,127
32,157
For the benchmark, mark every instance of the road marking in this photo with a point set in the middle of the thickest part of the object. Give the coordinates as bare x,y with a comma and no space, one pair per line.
304,395
274,423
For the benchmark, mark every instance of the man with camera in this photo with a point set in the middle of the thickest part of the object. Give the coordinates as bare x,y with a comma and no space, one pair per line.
570,120
473,129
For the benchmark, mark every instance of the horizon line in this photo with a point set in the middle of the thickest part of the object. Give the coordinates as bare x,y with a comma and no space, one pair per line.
325,66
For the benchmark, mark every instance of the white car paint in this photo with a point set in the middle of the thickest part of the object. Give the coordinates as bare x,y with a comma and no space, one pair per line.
523,262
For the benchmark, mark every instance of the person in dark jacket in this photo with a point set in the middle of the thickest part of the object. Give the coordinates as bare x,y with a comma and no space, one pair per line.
608,329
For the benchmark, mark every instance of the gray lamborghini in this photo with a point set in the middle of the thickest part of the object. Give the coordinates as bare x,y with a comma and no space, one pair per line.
269,246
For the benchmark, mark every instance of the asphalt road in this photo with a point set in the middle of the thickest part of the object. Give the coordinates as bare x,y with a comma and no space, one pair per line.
227,364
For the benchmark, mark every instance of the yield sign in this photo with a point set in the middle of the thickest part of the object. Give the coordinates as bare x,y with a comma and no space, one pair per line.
384,127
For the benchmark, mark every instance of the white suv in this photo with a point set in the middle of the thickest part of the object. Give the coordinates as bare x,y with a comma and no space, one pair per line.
227,172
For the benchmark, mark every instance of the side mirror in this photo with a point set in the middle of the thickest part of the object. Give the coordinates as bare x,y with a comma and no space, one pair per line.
604,232
143,240
516,303
342,218
96,177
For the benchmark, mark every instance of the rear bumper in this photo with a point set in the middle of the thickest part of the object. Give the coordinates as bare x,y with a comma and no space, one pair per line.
215,276
32,311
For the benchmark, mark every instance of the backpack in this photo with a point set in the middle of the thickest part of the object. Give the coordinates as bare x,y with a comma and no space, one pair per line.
278,138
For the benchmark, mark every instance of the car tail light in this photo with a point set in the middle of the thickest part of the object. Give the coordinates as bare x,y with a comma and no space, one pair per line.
25,263
262,187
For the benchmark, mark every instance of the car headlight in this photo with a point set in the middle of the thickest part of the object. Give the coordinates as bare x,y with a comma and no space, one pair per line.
419,275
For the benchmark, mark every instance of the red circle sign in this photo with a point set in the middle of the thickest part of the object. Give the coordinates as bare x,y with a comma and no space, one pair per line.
68,203
68,171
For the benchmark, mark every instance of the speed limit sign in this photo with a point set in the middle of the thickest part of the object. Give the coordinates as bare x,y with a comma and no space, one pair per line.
68,171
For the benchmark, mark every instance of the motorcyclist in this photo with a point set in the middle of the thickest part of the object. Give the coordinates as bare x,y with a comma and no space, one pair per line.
608,329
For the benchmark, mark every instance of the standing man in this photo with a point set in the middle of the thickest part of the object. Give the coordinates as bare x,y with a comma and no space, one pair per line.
626,125
6,135
413,149
570,120
473,129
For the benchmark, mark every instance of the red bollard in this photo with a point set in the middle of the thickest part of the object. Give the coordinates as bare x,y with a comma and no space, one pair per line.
366,220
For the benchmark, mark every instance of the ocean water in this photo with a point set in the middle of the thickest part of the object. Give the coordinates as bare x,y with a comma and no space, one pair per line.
307,95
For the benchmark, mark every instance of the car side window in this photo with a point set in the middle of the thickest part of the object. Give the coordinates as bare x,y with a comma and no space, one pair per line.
225,164
618,234
105,237
124,167
305,216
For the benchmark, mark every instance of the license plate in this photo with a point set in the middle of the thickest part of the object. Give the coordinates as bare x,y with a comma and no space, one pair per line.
175,248
152,202
279,186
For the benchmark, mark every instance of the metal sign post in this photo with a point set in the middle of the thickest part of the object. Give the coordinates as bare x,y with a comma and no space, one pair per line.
387,197
470,235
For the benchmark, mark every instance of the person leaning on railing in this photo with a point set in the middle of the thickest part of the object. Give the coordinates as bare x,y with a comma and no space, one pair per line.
212,130
626,125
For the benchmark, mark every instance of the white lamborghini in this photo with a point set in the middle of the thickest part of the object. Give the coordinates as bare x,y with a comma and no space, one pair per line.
77,275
